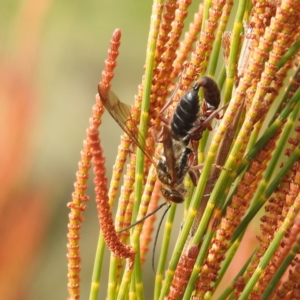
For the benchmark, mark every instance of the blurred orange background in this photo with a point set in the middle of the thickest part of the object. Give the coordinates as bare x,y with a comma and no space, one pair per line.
51,57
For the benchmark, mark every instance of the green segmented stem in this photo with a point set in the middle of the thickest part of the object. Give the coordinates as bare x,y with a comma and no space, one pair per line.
232,61
221,78
254,135
138,280
135,237
229,257
113,278
285,96
97,268
214,147
132,292
191,284
187,201
213,61
164,251
207,5
291,51
231,287
234,50
151,46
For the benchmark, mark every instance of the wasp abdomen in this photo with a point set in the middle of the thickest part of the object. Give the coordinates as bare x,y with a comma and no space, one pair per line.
186,113
211,91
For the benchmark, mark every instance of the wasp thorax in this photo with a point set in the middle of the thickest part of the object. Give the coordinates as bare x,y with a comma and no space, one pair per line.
162,171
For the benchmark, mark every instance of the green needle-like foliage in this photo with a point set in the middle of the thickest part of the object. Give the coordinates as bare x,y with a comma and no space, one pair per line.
241,146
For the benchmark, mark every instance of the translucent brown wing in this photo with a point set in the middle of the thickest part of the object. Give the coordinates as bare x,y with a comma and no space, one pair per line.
121,113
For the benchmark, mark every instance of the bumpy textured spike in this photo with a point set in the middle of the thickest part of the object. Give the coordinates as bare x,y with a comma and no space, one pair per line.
146,197
203,48
123,151
161,78
110,62
282,28
164,30
261,15
182,273
77,205
186,45
149,223
122,217
111,238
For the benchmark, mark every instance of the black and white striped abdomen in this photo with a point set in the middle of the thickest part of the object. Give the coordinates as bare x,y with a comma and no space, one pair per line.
186,114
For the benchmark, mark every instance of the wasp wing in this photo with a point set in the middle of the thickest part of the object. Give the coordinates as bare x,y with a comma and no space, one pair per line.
121,113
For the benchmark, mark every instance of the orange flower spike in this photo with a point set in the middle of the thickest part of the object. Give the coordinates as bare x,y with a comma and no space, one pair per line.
268,231
182,273
203,47
110,62
77,205
118,167
111,238
161,79
276,212
146,197
186,45
122,217
149,223
75,218
261,15
170,54
164,30
123,149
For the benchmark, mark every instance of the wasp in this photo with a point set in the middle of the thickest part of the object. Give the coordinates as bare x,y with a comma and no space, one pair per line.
186,125
189,120
176,159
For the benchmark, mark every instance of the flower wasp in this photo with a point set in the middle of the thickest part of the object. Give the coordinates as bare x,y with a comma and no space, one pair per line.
190,121
185,126
176,158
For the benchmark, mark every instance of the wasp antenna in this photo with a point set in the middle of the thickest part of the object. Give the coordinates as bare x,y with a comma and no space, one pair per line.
143,219
156,237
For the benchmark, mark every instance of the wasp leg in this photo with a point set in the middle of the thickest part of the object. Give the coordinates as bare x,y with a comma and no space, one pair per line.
164,119
194,175
221,168
200,166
